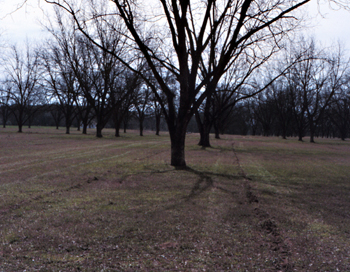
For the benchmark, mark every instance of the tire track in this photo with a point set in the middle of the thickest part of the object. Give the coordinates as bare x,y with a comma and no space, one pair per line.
273,237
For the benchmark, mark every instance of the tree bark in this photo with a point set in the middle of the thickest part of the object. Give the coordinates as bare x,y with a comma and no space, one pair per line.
204,131
20,128
99,130
85,125
177,130
178,150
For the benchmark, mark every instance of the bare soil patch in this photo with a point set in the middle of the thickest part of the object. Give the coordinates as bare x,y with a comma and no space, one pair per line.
77,203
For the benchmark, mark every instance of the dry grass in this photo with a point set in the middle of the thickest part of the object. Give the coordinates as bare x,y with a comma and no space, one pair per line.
77,203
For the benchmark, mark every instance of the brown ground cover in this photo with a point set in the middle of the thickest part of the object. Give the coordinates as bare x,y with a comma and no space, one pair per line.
78,203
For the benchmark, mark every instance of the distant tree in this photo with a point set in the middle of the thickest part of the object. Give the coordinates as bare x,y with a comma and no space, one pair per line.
5,100
224,102
22,76
316,80
141,103
157,111
281,106
84,110
339,110
56,113
127,84
61,82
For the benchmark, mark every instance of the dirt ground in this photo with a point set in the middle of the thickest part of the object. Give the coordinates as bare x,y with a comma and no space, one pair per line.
78,203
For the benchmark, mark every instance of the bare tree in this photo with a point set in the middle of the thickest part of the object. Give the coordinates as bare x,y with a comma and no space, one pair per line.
141,103
56,113
22,73
316,79
283,109
199,41
61,82
127,84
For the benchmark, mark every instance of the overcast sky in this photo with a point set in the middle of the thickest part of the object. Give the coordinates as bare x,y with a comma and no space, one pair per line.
23,24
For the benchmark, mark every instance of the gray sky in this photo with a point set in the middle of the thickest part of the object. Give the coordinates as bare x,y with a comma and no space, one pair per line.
23,24
331,23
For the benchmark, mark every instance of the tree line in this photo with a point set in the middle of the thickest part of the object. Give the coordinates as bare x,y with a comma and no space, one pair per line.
216,62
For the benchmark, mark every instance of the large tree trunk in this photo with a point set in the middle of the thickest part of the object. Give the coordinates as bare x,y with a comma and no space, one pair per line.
85,125
204,131
178,149
205,126
99,128
177,137
204,140
67,129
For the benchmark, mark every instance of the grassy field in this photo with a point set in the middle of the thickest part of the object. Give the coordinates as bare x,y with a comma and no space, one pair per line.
78,203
